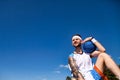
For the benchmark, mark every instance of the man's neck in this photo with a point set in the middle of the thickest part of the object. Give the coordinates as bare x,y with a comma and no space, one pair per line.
78,50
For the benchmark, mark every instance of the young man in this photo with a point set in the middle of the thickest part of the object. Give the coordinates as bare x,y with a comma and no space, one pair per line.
81,64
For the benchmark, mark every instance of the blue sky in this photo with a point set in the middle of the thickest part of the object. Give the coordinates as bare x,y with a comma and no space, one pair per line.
35,35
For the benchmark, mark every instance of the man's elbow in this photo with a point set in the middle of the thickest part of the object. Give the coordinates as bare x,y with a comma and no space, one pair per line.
103,50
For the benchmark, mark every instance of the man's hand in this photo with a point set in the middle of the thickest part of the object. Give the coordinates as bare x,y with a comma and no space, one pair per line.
87,39
75,74
78,75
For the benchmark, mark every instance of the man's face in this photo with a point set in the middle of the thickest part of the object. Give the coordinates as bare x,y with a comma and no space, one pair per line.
76,41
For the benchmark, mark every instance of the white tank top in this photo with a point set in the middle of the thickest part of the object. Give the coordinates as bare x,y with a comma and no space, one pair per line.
84,64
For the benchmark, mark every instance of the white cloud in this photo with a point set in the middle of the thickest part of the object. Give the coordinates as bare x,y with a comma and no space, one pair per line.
44,79
41,78
58,72
60,68
119,58
63,66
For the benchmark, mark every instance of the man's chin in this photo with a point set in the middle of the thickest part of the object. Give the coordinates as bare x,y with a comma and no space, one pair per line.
76,46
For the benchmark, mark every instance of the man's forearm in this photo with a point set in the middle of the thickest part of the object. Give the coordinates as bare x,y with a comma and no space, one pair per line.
74,69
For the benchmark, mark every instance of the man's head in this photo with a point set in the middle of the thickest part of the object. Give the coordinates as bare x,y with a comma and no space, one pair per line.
76,40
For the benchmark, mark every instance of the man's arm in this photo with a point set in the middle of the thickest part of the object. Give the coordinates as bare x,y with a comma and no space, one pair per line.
74,69
97,43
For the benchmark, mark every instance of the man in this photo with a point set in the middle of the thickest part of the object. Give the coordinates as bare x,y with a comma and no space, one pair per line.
81,64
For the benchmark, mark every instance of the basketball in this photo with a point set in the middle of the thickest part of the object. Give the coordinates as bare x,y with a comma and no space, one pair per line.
89,47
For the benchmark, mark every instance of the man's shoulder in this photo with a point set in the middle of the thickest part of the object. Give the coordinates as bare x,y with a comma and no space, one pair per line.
71,54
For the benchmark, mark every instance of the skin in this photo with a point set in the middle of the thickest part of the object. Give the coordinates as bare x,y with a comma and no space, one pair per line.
103,59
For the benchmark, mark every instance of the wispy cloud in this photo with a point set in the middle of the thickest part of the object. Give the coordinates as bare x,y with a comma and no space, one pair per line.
44,79
63,66
58,72
119,58
18,76
60,68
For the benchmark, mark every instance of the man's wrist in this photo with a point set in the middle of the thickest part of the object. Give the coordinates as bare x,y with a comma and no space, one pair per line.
93,40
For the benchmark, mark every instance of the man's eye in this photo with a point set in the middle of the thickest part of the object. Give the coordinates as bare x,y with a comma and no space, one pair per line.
76,39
